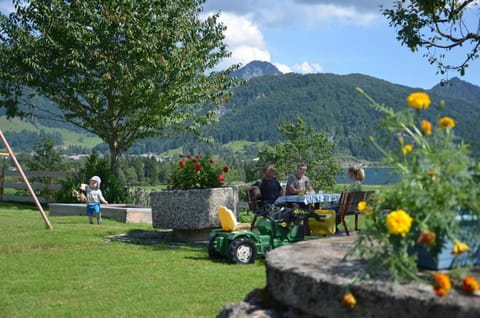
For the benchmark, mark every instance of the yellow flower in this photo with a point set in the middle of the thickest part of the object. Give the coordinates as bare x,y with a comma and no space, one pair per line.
363,207
349,301
407,148
442,104
398,222
460,247
418,100
445,122
426,127
470,284
442,284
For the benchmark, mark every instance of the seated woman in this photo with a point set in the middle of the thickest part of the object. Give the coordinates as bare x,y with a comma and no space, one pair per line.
357,175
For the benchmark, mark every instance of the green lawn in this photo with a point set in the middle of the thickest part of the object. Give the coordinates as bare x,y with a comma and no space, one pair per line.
72,271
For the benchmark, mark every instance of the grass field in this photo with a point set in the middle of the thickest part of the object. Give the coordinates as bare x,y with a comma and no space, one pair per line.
73,271
70,138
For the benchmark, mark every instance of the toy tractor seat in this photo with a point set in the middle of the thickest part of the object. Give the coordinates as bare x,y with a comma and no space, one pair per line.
229,221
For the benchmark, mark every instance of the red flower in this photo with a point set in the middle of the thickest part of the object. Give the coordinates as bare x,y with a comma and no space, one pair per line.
211,160
194,160
197,156
198,168
180,155
189,157
221,178
225,169
182,163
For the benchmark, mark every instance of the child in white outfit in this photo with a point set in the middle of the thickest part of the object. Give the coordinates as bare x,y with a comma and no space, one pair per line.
94,198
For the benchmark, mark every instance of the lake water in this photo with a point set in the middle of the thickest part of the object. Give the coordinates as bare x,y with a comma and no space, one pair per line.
373,176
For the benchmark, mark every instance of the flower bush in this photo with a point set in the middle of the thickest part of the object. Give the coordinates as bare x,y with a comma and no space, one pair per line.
438,182
197,172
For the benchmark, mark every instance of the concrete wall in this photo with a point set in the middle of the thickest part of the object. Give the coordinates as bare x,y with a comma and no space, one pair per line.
119,212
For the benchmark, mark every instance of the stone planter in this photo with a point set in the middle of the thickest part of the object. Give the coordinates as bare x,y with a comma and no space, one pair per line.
445,259
191,212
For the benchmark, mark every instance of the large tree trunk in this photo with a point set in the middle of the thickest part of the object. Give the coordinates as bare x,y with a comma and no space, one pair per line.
115,154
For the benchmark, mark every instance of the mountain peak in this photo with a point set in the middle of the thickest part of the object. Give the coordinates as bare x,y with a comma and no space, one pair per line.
458,88
256,69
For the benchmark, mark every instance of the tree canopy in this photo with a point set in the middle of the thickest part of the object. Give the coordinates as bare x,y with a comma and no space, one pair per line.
123,70
303,145
437,25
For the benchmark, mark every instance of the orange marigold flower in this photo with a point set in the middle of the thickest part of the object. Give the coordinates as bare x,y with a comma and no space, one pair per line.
426,127
407,148
198,168
349,301
427,238
459,247
470,284
221,178
442,284
445,122
182,163
419,100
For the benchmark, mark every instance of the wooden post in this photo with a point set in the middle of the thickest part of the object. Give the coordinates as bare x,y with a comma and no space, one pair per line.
24,177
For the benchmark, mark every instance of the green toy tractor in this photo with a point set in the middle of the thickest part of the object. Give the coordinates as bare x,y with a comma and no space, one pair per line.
272,226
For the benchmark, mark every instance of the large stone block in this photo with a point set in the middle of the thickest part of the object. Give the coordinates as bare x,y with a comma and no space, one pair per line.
194,209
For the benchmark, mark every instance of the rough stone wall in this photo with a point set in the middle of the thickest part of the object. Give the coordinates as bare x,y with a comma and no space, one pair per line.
191,209
140,197
308,279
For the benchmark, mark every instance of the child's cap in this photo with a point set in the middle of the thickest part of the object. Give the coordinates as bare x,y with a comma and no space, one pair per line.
96,179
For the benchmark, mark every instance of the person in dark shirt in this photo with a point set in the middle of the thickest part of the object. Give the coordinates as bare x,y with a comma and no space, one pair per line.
270,188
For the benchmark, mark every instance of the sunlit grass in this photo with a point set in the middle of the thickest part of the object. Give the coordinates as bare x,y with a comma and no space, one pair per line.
72,271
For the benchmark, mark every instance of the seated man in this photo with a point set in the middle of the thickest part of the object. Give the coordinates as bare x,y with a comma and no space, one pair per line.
269,188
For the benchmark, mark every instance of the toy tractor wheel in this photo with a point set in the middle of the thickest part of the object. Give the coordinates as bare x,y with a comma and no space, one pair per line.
242,251
212,253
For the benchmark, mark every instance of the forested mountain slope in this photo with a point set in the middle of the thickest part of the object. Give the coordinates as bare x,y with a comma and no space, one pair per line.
327,102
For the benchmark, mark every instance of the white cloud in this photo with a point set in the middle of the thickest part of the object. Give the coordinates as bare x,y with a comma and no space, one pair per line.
283,67
364,5
307,68
244,40
306,13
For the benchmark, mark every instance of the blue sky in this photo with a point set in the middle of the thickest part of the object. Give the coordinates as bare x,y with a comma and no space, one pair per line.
331,36
325,36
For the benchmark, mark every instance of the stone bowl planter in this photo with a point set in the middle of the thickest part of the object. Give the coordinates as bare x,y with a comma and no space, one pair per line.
191,214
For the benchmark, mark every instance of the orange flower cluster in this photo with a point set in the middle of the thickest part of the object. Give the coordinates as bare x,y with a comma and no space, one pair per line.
349,301
427,238
442,284
470,284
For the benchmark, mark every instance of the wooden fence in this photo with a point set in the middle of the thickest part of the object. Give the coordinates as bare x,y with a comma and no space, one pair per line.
11,179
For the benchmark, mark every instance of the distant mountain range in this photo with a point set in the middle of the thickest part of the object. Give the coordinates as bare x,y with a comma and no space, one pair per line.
326,102
256,69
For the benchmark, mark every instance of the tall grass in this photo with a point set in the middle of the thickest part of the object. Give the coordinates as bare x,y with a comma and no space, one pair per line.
73,271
